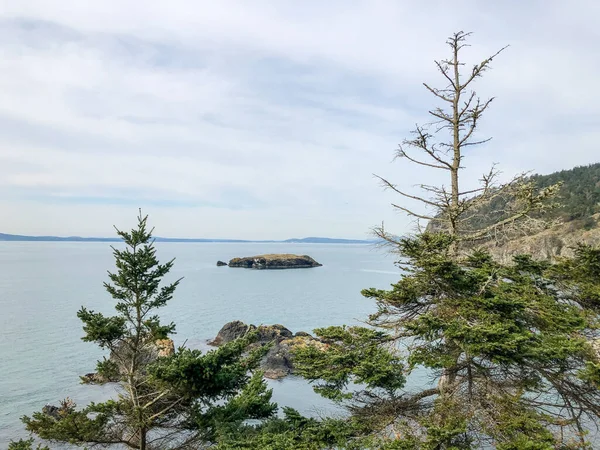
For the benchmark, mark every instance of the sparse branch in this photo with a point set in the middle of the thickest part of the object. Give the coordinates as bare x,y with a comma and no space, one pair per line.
478,69
402,154
388,185
412,213
443,67
438,93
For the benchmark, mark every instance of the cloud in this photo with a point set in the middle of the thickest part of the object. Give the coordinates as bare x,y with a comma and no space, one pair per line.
267,119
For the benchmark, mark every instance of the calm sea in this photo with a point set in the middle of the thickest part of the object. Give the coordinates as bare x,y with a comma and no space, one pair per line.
43,284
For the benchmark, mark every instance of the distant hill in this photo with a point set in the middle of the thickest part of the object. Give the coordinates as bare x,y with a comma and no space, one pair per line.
308,240
322,240
578,199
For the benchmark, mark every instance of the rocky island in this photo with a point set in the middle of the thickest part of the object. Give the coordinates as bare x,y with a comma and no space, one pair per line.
275,261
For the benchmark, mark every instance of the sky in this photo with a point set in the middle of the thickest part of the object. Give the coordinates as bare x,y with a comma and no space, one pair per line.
268,119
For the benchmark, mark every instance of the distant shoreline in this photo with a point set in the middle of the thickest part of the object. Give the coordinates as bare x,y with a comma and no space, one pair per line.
309,240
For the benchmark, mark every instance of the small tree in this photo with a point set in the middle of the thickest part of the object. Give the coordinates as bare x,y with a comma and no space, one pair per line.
441,145
168,399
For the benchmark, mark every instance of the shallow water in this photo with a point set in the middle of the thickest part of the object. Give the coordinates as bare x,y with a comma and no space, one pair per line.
43,284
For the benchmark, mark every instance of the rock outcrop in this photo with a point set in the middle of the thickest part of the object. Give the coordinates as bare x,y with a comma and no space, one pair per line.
550,244
275,261
161,348
278,362
221,263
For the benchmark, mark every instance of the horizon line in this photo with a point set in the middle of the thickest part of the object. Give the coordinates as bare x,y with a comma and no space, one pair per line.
5,237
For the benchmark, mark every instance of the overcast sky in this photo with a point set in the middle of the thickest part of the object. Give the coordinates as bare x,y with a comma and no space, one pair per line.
266,119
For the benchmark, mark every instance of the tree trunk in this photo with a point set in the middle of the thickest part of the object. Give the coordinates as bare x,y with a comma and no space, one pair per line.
143,433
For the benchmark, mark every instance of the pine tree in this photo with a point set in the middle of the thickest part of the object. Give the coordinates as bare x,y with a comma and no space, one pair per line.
464,352
168,399
509,352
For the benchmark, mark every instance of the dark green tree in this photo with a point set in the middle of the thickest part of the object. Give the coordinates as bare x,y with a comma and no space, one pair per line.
168,398
507,352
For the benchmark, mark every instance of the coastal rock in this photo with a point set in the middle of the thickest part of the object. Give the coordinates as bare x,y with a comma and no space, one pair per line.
161,348
96,378
551,244
221,263
302,334
236,329
165,347
231,331
52,411
275,261
278,362
277,333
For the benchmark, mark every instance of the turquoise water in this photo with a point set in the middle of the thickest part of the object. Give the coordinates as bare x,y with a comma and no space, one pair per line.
43,284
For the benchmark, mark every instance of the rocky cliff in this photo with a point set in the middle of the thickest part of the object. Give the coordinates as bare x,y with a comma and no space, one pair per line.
549,244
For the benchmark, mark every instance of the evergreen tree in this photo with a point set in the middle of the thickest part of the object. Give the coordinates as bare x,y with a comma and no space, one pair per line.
464,352
168,399
509,352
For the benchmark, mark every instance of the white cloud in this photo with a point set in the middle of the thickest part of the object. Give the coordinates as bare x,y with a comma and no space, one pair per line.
266,119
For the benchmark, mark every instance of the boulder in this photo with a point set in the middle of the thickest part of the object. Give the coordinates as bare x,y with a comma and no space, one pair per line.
231,331
52,411
278,362
165,347
302,334
221,263
275,261
277,333
95,378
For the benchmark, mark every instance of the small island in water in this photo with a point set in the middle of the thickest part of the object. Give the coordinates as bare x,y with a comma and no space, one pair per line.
275,261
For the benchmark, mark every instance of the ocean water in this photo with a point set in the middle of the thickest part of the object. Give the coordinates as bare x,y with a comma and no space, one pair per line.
43,284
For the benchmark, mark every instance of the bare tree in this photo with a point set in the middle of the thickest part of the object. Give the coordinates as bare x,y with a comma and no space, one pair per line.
440,145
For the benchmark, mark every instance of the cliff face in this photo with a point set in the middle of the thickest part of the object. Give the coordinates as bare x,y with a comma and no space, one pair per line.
548,244
577,213
275,261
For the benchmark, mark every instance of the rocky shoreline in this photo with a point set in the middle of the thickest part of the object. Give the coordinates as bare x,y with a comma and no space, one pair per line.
276,364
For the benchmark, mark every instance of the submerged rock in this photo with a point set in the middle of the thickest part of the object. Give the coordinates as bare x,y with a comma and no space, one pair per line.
278,362
275,261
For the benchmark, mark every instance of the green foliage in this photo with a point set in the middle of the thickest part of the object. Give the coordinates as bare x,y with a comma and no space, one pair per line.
186,399
577,199
354,354
508,347
26,444
579,196
295,432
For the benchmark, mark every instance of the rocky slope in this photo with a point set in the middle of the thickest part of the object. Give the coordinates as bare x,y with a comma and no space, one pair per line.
275,261
576,214
549,244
